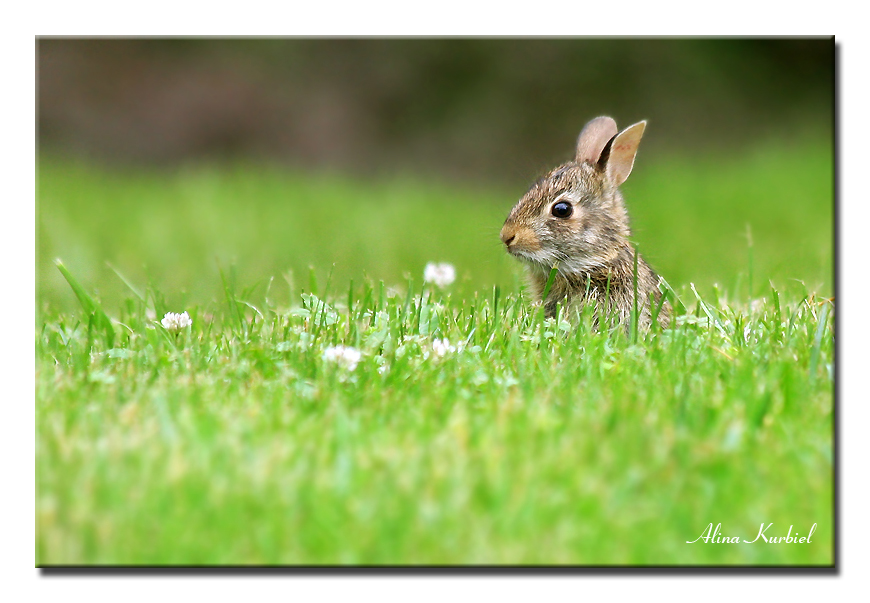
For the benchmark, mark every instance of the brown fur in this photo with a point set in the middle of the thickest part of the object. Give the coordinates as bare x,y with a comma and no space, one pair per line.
592,247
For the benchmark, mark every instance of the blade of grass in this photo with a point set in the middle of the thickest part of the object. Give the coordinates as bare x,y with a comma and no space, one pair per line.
89,305
677,305
130,285
550,279
235,313
714,320
547,287
817,344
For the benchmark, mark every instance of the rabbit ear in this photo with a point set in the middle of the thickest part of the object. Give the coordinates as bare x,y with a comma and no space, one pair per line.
594,137
618,157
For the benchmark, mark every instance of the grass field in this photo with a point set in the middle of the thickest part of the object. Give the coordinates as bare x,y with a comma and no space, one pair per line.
520,441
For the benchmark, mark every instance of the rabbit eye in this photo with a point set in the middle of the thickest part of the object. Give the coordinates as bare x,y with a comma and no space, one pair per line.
562,209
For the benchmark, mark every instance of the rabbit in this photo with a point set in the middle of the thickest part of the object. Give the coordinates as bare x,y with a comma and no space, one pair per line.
576,216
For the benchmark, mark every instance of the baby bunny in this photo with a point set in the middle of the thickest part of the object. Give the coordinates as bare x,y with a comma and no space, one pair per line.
576,216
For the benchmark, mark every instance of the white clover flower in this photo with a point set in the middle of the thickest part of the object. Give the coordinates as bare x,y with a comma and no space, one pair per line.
441,347
439,274
175,322
343,356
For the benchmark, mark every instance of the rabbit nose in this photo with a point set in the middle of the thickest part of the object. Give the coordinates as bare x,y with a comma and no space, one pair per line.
519,239
507,236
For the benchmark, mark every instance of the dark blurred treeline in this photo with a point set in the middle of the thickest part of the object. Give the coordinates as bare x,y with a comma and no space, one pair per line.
472,108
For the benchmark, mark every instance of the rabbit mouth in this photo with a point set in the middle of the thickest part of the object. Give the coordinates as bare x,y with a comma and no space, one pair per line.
536,259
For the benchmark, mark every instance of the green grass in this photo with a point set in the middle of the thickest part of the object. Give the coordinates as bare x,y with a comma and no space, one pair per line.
690,217
531,442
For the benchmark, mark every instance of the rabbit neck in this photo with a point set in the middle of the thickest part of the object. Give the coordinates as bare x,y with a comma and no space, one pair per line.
610,285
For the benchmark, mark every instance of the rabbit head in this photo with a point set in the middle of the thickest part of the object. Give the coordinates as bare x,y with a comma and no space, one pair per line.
575,214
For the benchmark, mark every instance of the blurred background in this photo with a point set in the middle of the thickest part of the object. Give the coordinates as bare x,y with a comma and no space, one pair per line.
170,157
